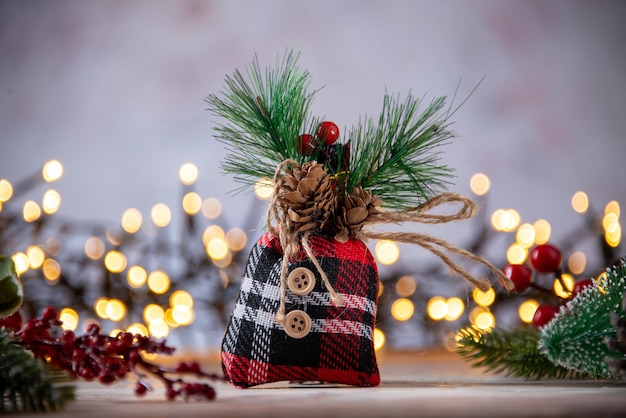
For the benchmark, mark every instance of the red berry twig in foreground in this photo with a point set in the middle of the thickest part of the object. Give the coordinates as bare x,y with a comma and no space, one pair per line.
107,359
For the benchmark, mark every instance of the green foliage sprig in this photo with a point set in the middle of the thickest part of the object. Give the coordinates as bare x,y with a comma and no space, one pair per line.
28,384
393,156
513,352
576,337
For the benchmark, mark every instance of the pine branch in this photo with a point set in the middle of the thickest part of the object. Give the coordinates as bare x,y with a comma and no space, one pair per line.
576,338
265,114
395,157
514,353
27,384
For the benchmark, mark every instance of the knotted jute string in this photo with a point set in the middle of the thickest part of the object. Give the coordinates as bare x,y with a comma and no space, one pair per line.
435,245
289,243
421,214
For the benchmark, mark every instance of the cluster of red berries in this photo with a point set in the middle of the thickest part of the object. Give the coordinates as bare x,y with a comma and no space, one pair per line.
103,357
544,258
327,134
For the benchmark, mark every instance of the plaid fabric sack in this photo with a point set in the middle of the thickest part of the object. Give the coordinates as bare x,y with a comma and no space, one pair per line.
320,341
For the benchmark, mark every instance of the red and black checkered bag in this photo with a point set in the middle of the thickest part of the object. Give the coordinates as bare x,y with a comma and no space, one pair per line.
319,341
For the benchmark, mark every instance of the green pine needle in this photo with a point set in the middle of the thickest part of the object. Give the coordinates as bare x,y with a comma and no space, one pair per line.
513,352
265,114
394,158
575,339
27,384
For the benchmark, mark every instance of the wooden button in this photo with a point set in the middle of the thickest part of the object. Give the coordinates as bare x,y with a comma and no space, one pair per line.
301,281
297,324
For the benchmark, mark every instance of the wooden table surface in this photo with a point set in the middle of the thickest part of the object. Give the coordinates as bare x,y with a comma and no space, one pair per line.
414,384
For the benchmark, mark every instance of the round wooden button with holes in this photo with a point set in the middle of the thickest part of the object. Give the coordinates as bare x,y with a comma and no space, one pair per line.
297,324
301,281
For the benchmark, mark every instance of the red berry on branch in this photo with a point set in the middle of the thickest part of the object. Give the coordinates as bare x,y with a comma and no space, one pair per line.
12,322
327,132
544,314
580,285
520,275
50,314
140,389
545,258
307,144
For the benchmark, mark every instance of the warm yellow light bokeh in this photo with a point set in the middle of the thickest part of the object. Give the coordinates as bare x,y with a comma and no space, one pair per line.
402,309
212,232
137,328
237,239
387,252
379,339
158,328
181,297
31,211
568,281
516,254
51,270
36,256
527,310
158,282
455,308
20,262
100,307
94,248
115,310
183,315
211,208
217,249
6,190
153,312
612,207
51,201
577,262
115,261
480,184
580,202
505,220
131,220
437,308
137,276
70,318
264,188
485,321
543,230
52,171
406,286
192,203
525,235
485,298
188,173
161,215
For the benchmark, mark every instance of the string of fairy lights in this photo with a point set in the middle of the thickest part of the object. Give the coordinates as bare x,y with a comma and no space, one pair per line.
134,277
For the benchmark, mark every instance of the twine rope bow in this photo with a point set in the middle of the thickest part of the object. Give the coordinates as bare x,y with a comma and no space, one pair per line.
289,238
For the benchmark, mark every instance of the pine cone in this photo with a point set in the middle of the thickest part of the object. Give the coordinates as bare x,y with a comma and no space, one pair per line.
353,211
306,197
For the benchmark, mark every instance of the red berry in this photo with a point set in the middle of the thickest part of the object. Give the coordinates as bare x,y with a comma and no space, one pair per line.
328,132
545,258
580,285
307,144
50,314
520,275
544,314
12,322
140,389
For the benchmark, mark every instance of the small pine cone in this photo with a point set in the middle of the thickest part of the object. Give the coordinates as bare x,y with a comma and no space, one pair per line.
306,197
353,211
